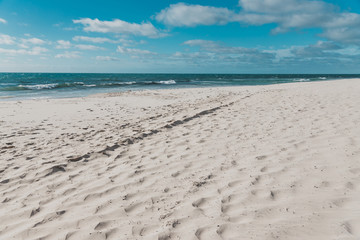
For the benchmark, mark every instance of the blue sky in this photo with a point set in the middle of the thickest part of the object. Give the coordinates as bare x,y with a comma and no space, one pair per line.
207,36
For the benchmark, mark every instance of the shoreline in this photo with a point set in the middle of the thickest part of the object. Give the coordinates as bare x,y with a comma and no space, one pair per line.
264,162
104,94
79,87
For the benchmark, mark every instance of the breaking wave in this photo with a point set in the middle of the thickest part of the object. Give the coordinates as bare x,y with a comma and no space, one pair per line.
302,80
79,85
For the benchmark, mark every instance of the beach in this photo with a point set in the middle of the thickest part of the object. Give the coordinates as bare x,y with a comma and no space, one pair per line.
247,162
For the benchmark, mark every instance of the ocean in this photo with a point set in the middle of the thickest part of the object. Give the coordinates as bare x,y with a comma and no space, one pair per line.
18,86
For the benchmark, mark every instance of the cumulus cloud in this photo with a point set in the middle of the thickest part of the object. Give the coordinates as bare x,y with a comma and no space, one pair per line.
194,57
287,15
208,53
10,51
341,31
118,26
94,39
182,14
6,39
281,6
87,47
38,51
217,48
69,55
201,43
3,20
323,53
107,58
124,42
133,51
34,41
32,51
298,14
320,49
9,40
62,44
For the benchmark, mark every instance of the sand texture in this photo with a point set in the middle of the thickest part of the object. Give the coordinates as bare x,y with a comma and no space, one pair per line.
264,162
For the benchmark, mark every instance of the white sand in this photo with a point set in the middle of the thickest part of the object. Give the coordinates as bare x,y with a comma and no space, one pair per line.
265,162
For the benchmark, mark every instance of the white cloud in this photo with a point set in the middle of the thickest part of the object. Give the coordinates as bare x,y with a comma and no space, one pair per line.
200,42
210,52
182,14
6,39
34,41
38,50
62,44
133,51
87,47
281,6
3,20
9,51
33,51
67,54
194,56
107,58
93,39
23,45
324,53
319,50
350,51
287,15
215,47
345,34
298,14
124,42
281,53
118,26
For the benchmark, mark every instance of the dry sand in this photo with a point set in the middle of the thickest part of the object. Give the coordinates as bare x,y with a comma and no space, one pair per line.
264,162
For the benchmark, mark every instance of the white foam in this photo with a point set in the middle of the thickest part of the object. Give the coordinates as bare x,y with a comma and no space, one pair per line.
129,83
118,83
39,86
302,80
168,82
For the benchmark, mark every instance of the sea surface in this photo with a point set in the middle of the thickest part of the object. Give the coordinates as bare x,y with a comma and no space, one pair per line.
17,86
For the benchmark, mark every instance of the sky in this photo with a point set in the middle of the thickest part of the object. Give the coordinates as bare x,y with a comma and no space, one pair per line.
204,36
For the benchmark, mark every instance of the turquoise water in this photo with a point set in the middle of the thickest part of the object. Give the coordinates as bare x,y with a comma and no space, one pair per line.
62,85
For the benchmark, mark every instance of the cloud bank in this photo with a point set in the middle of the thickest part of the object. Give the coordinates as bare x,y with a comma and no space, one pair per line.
287,15
133,51
210,53
94,39
68,55
107,58
62,44
34,41
6,39
34,51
